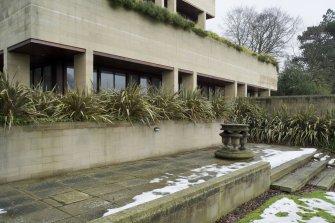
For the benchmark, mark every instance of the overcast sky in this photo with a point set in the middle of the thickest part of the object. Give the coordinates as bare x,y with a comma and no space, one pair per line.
310,11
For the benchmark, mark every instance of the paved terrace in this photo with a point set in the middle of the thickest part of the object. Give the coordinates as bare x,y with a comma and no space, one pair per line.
89,194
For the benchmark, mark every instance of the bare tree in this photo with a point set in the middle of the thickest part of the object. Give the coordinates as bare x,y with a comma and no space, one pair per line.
268,31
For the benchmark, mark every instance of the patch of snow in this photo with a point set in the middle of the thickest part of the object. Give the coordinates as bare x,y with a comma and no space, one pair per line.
317,155
181,183
156,180
331,162
324,158
330,196
277,157
291,208
2,211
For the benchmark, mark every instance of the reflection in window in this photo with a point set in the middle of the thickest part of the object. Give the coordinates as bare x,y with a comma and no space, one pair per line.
37,76
134,79
47,81
120,81
156,82
107,80
70,78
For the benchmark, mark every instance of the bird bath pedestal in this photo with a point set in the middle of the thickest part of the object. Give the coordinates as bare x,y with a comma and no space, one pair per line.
234,138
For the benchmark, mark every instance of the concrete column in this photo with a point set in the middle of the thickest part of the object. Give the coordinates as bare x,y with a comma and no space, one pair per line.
189,81
172,6
170,80
83,70
17,66
265,93
242,90
159,3
231,90
201,23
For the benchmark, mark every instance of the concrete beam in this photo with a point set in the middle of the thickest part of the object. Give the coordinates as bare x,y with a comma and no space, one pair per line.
17,66
242,90
231,90
83,70
189,81
159,3
201,23
172,6
170,80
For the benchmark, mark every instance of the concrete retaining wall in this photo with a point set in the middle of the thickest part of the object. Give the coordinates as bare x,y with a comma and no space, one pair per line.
205,202
322,104
36,151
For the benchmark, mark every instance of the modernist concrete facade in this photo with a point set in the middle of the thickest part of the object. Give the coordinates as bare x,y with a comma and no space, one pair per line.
87,43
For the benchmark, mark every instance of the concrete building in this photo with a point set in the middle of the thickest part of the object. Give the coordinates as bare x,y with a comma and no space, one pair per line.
88,44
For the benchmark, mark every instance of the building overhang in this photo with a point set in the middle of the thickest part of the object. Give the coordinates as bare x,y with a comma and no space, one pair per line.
188,7
213,79
124,63
41,50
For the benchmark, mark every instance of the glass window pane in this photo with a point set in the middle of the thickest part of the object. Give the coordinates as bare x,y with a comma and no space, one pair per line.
37,76
70,78
95,80
134,79
144,83
47,80
205,91
107,80
156,82
120,81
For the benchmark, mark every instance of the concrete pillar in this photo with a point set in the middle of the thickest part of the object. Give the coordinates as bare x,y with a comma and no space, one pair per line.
231,90
172,6
265,93
189,81
159,3
242,90
201,23
170,80
83,70
17,66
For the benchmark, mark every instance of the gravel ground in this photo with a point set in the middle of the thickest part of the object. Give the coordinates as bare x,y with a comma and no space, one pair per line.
252,205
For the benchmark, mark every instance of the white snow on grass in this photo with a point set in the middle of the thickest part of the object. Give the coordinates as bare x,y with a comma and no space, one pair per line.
324,158
277,157
181,183
290,208
317,155
330,196
2,211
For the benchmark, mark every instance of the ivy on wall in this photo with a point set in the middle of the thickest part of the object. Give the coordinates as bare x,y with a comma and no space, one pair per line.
147,8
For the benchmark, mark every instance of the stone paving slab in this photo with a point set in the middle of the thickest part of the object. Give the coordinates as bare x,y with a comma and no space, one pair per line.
296,180
324,180
85,195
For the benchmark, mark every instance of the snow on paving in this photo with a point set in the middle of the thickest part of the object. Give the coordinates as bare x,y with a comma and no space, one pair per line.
2,211
324,158
274,157
291,209
277,157
331,162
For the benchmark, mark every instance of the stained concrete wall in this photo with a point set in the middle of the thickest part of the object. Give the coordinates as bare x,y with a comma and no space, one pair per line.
35,151
96,26
322,104
202,203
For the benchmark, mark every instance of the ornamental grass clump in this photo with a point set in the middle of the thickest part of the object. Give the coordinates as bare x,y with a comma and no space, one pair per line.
221,109
197,107
130,104
168,105
13,101
81,106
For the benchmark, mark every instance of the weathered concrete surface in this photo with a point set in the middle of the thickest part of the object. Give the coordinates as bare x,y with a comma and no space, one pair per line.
85,195
300,177
322,104
324,180
205,202
35,151
286,168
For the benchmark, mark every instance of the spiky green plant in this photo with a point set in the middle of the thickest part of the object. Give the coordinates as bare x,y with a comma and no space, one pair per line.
221,109
168,105
13,101
197,107
130,104
82,106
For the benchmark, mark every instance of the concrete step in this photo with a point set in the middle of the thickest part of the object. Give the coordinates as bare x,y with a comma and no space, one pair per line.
289,167
296,180
324,180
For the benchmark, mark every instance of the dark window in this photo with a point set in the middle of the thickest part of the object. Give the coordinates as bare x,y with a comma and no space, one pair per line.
70,78
107,80
120,81
95,80
156,82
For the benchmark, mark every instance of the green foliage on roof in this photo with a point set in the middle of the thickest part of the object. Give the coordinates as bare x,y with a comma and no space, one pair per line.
149,9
